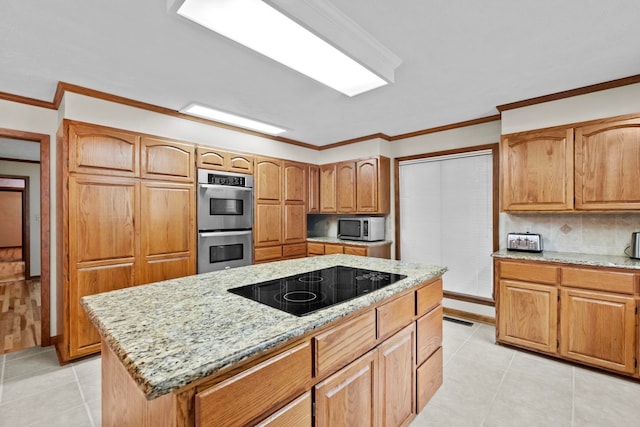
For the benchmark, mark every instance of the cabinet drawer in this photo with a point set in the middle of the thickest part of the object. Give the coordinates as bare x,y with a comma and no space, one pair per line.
343,344
355,250
529,272
394,315
609,281
270,252
296,413
428,297
299,249
333,249
429,334
315,248
429,379
245,396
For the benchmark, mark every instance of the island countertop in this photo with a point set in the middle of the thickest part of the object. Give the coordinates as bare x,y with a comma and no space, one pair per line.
169,334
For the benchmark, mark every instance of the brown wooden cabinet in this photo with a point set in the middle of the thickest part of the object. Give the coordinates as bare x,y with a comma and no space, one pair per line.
372,185
382,250
328,183
167,237
528,315
346,187
607,165
126,218
591,166
313,199
280,226
167,160
349,397
102,248
216,159
396,372
358,186
537,170
584,314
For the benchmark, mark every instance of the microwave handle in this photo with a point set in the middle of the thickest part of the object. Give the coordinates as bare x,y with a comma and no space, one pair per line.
225,233
225,186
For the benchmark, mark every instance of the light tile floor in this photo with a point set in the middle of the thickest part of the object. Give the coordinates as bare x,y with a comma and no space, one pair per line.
485,385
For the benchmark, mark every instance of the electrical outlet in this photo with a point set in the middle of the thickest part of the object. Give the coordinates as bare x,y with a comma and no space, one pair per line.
566,228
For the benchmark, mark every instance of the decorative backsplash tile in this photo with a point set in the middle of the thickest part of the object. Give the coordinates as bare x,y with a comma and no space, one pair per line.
602,233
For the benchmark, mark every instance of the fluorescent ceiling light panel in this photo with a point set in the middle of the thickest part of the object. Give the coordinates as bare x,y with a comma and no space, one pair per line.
231,119
262,28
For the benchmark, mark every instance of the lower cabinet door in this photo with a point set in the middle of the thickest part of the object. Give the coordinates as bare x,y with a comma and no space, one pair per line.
349,397
396,373
527,315
598,328
296,413
429,378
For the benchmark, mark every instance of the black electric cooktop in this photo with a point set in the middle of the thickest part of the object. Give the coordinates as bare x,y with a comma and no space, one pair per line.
305,293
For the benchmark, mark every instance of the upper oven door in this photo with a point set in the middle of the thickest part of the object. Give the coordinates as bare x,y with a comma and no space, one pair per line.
222,207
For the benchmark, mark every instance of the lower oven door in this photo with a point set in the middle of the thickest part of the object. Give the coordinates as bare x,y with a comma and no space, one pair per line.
218,250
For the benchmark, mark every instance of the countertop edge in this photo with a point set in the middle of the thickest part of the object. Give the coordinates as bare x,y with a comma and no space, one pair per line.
592,260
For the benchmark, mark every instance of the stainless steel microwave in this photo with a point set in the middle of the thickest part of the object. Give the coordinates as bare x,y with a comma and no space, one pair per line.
365,228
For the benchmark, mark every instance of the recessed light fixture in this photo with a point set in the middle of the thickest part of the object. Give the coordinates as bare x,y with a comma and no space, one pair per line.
265,29
231,119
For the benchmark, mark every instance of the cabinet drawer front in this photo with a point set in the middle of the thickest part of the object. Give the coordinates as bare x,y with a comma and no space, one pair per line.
299,249
315,248
609,281
429,378
428,297
429,334
529,272
355,250
271,252
394,315
245,396
339,346
333,249
296,413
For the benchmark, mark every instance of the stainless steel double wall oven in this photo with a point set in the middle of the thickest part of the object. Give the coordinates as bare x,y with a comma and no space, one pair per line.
225,220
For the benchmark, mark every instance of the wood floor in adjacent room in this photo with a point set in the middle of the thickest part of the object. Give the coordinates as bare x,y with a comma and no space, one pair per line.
19,315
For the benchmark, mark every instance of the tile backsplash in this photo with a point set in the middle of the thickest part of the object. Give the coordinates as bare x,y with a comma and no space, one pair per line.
601,233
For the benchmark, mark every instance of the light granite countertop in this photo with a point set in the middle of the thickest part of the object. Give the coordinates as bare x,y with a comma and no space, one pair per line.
335,240
572,258
169,334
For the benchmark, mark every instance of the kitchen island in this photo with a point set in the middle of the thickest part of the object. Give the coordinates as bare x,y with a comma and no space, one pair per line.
188,352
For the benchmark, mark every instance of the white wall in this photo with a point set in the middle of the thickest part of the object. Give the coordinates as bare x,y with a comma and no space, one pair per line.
592,106
32,170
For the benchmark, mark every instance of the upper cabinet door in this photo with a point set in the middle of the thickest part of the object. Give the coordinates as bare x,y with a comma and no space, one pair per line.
313,199
103,151
537,170
295,182
268,180
212,158
346,187
164,159
607,169
367,185
240,163
328,200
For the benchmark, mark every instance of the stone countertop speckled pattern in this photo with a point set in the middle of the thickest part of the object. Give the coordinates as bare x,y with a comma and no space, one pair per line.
572,258
347,242
169,334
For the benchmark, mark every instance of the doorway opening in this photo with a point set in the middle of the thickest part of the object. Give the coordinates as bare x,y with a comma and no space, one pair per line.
24,240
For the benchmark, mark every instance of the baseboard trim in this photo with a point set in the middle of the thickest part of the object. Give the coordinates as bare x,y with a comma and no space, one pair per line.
470,316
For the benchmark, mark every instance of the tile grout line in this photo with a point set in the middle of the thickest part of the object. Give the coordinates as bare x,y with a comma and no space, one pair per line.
495,395
84,400
460,346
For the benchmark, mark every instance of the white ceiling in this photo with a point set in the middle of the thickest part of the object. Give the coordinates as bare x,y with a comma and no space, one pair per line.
460,59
